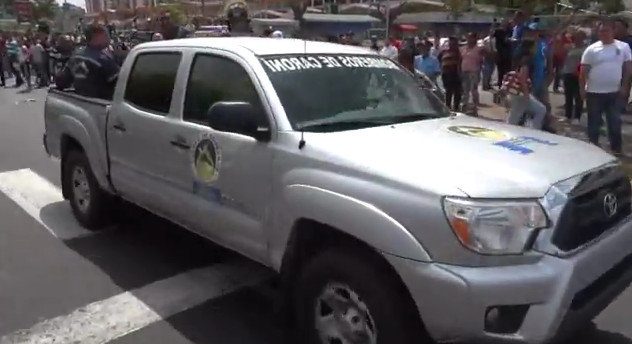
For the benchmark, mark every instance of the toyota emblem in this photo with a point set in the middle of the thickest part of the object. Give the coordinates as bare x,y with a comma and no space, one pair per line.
610,205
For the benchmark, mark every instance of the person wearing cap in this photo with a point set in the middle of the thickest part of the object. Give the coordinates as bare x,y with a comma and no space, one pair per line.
91,71
541,72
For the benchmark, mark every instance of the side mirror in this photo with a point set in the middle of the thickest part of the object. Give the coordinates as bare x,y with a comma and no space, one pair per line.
237,117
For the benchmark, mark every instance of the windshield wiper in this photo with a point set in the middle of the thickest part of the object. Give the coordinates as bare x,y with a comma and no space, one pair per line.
413,117
358,123
332,124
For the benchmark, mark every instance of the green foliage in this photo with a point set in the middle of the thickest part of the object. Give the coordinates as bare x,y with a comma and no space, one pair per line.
176,12
45,9
612,6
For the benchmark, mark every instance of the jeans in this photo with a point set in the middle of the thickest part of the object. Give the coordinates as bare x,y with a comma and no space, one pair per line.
541,93
598,104
25,69
470,86
503,63
488,70
453,89
573,102
519,104
558,63
14,67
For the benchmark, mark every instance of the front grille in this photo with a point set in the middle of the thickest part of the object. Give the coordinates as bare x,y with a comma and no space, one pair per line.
585,218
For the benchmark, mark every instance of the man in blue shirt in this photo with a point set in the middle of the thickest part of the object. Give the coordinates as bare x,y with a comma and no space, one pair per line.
541,70
518,28
427,63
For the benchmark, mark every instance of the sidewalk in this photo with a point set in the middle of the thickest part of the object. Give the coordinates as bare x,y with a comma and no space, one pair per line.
494,112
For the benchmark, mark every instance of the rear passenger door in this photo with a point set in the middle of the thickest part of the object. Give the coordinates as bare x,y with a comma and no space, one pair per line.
229,203
140,131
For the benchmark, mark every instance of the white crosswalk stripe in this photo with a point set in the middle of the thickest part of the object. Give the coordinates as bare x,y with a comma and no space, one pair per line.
43,201
104,321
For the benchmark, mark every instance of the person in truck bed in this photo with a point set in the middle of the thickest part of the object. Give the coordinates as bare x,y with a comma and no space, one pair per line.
90,71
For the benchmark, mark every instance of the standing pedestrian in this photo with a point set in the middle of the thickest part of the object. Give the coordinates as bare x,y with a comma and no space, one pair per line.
472,59
25,62
3,56
604,82
558,44
541,71
450,59
427,63
37,62
389,50
573,102
14,51
503,50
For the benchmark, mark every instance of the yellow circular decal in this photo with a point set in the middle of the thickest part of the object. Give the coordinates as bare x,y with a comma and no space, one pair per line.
480,132
206,159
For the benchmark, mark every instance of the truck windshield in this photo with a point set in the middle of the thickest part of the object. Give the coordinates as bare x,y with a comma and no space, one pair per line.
322,92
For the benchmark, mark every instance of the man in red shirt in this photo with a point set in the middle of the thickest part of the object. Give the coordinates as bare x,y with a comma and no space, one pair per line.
559,44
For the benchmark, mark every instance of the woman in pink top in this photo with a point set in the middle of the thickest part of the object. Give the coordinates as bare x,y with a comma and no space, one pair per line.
472,60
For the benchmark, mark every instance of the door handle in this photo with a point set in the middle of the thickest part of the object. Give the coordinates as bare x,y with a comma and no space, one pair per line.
119,126
180,142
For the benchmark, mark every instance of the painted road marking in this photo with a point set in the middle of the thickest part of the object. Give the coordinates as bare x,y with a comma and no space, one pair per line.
43,201
104,321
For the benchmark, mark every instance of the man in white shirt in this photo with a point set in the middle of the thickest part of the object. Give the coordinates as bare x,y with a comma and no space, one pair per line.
604,82
389,50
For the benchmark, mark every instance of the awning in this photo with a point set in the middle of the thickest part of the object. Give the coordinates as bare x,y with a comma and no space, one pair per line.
406,27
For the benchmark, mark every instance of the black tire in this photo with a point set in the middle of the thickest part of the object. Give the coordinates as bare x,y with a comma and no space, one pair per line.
395,319
95,216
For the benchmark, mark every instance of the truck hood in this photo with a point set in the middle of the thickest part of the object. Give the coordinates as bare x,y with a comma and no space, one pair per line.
480,158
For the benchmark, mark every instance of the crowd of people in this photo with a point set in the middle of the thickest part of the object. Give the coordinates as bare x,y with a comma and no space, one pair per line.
591,64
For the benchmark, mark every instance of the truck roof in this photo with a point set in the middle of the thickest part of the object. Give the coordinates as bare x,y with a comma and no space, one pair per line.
263,46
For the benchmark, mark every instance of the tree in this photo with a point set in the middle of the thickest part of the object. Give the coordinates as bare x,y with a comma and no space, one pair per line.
299,7
388,15
176,12
45,9
457,7
612,6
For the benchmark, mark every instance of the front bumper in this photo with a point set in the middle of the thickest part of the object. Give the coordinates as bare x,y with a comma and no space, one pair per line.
557,295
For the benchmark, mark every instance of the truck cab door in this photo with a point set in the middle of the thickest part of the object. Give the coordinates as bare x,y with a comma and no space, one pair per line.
229,173
141,132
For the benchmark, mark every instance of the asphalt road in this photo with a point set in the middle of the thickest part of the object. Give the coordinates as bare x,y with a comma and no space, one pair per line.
144,281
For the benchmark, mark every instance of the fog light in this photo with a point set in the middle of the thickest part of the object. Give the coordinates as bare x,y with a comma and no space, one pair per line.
505,319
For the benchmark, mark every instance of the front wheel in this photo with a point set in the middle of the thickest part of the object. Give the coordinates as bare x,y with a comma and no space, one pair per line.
90,204
346,298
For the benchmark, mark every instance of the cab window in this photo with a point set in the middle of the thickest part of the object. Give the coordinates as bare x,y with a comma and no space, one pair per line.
214,79
151,82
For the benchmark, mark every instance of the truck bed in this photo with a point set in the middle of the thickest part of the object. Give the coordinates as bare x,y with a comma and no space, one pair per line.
82,118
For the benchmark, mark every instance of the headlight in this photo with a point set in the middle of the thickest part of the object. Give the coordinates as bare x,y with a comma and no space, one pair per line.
492,226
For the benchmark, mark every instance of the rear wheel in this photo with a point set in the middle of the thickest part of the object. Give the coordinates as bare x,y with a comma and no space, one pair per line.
90,204
346,298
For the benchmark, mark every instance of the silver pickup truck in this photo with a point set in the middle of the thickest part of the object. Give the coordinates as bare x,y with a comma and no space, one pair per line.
389,219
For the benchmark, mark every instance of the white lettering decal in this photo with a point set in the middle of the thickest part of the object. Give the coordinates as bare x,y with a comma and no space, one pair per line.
287,64
310,62
325,61
269,65
333,61
277,65
297,63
